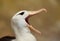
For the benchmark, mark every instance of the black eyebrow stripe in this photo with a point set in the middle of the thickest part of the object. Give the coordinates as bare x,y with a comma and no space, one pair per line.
21,13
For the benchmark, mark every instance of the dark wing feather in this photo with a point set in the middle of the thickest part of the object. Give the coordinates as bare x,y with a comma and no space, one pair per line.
7,38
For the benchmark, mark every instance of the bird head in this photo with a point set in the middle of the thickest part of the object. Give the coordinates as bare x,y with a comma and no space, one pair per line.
25,15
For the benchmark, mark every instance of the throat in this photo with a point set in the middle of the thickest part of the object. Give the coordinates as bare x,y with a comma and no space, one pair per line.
26,19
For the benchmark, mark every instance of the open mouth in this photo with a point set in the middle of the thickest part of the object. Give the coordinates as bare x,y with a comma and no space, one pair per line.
26,19
31,13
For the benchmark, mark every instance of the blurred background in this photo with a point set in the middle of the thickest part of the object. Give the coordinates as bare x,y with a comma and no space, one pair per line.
48,23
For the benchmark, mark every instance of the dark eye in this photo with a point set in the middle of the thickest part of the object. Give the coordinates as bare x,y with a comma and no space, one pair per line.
21,13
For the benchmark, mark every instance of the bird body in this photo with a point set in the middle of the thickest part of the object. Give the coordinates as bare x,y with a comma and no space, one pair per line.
21,29
21,26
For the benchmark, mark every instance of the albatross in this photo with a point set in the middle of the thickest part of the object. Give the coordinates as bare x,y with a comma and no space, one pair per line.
21,26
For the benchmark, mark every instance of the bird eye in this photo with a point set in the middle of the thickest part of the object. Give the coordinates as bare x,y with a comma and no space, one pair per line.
21,13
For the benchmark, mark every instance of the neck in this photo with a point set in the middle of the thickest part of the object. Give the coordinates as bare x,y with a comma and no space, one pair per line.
20,31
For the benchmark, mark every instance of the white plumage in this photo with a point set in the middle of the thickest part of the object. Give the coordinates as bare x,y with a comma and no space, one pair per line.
20,24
